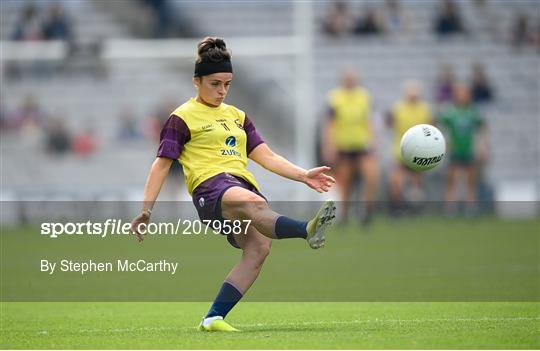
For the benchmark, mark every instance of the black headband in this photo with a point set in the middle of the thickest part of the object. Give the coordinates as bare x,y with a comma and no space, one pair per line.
205,68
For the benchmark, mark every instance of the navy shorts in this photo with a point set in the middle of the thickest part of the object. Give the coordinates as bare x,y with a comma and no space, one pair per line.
207,197
352,155
462,160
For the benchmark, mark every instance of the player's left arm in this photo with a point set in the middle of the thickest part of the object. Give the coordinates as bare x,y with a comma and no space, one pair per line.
315,178
258,151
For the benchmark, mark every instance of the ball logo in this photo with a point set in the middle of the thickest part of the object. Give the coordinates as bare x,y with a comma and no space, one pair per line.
230,141
425,161
201,202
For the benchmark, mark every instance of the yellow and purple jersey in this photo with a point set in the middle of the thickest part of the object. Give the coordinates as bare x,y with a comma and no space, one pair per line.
350,111
406,115
208,141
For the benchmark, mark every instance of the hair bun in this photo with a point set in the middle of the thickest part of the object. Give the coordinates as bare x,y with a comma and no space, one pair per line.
212,49
220,43
209,43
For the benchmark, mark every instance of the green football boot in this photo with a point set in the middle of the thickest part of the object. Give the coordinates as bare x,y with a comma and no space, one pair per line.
317,226
216,324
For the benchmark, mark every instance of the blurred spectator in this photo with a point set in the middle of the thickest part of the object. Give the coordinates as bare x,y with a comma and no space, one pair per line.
448,19
394,18
27,116
523,34
348,142
369,24
31,27
128,130
165,20
57,137
155,122
85,143
445,83
152,128
519,34
338,20
57,25
161,19
536,36
463,124
486,20
28,27
407,112
481,88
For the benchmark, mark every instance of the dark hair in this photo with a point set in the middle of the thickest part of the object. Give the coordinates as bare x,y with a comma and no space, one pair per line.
212,49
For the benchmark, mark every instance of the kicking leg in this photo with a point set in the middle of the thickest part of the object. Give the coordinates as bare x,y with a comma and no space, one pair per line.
256,248
239,203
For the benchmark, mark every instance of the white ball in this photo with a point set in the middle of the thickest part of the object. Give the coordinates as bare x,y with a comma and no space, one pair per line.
422,147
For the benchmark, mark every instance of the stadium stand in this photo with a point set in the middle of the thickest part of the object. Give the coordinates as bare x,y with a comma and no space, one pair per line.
384,61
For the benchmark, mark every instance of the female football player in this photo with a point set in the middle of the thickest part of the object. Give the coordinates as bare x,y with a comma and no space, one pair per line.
348,137
212,141
407,112
468,138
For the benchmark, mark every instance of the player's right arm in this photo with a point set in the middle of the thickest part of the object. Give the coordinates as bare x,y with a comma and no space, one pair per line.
154,182
174,135
156,177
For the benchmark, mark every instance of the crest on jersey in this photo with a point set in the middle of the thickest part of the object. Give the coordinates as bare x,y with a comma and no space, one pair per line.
230,141
238,124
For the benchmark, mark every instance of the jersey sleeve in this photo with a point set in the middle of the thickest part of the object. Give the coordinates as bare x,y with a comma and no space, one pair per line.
330,112
330,106
253,137
174,135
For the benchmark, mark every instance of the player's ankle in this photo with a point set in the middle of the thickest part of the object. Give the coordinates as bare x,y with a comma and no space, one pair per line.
207,320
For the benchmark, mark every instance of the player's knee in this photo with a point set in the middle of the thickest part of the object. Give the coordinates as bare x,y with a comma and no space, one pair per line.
254,207
245,208
263,250
257,253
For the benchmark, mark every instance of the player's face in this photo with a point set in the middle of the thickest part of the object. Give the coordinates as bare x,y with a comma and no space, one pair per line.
462,95
412,94
213,88
349,80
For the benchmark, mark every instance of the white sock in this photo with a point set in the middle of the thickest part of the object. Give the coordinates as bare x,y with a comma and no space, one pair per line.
209,320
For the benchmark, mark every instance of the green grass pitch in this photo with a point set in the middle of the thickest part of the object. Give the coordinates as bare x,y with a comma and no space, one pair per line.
265,325
413,261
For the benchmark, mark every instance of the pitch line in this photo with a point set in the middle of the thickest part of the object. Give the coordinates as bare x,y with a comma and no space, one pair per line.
368,321
304,323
